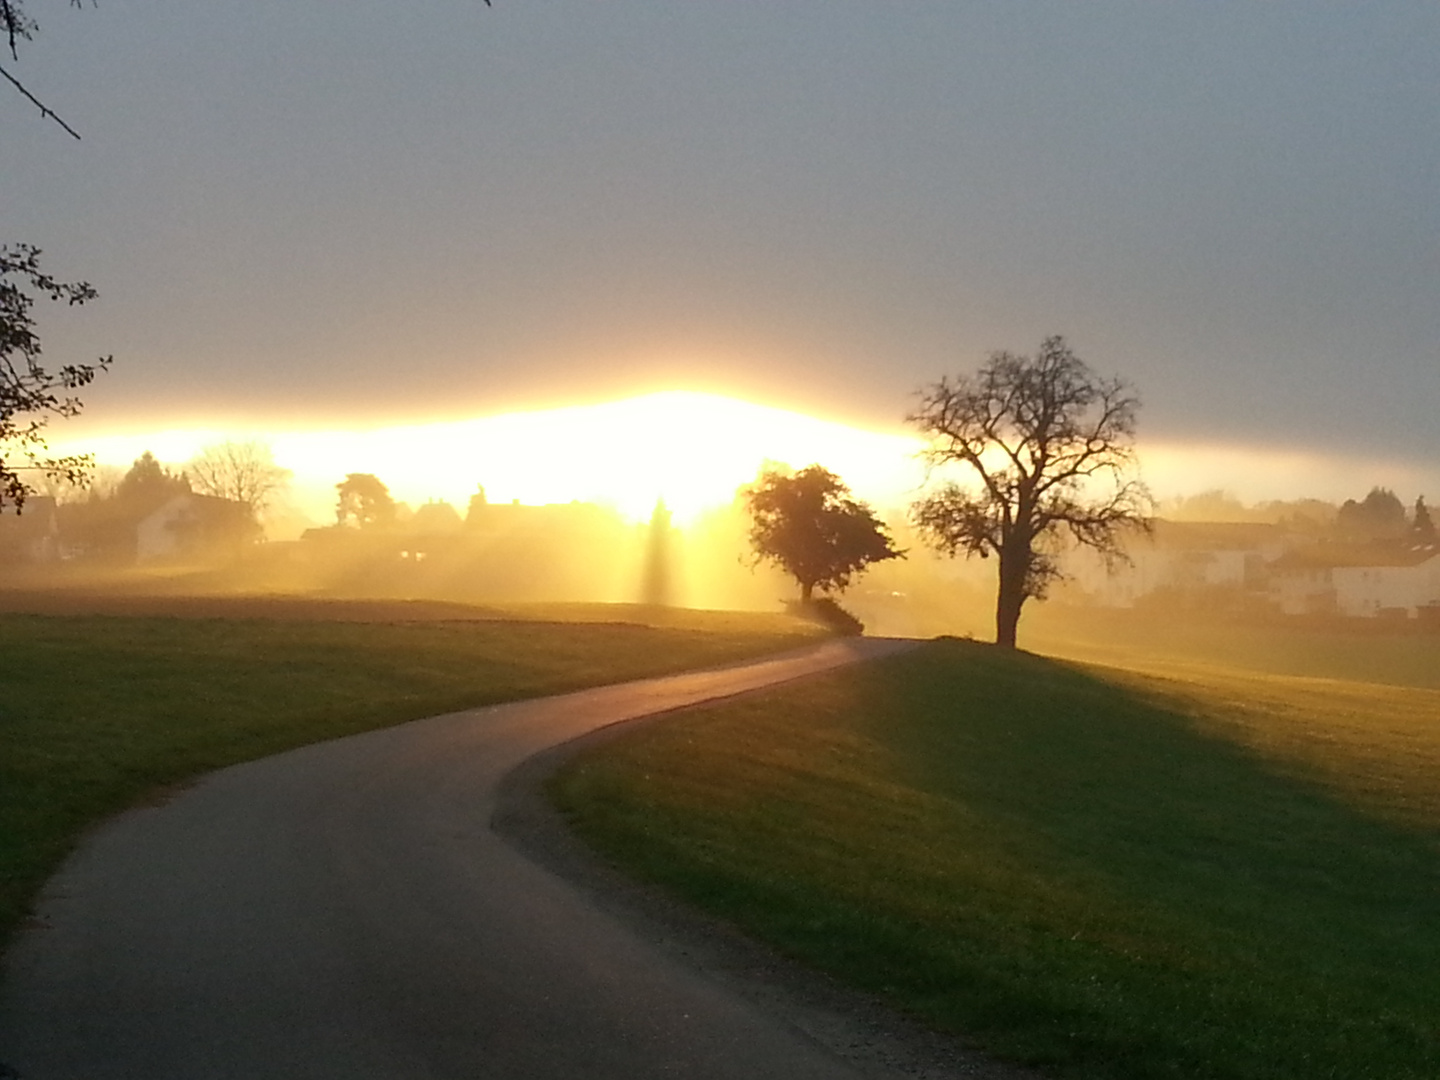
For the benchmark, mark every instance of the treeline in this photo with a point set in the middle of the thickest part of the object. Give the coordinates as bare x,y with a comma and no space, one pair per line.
1380,516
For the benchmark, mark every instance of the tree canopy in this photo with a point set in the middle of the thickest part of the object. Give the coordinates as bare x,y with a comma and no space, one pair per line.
1047,447
809,525
30,394
364,500
1378,516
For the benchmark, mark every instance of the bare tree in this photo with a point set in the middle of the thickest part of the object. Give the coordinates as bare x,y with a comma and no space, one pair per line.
243,472
1049,448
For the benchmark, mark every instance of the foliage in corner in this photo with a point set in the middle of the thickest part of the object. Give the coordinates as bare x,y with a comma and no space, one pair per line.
29,393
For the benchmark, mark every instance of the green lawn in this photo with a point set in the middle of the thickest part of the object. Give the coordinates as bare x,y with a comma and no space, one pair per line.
99,711
1105,873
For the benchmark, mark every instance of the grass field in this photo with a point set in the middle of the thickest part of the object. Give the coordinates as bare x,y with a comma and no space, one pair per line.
100,711
1359,650
1189,871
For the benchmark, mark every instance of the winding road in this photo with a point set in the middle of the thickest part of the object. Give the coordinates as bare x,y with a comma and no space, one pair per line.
347,911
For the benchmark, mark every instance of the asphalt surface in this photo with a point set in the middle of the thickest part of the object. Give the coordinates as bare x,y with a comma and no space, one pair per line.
346,910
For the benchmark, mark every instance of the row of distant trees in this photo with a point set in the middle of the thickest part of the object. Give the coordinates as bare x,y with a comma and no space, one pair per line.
1381,516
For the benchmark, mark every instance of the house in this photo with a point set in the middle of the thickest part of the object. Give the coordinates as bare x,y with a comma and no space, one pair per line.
1397,585
195,526
1394,580
1301,582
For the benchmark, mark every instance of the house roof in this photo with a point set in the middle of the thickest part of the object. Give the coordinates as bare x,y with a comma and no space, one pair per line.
1340,556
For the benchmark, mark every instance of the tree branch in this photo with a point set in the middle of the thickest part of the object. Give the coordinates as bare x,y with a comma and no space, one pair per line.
45,110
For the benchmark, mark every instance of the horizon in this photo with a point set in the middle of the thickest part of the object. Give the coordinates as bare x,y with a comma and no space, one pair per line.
534,457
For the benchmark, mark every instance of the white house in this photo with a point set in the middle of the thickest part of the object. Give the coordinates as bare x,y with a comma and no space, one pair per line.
1301,582
1360,581
1404,582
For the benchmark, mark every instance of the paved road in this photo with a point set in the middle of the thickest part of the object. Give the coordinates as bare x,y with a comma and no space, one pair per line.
345,910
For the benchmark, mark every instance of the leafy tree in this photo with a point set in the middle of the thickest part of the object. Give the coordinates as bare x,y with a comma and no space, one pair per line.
1049,445
243,472
809,525
365,501
149,485
1379,516
29,393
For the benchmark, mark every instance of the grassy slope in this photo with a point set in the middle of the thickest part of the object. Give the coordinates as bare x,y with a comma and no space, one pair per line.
98,711
1351,649
1106,873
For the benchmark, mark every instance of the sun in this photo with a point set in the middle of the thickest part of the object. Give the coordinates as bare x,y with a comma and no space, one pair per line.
691,450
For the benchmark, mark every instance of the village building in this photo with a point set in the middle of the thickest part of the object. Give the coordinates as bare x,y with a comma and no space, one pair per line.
194,526
1185,560
1377,580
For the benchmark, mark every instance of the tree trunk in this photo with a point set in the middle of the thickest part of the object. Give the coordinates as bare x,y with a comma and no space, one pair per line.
1009,598
806,588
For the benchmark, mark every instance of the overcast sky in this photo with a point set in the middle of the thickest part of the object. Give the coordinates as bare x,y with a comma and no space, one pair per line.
368,212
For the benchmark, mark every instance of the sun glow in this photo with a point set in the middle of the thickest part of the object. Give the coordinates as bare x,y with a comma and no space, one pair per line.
693,450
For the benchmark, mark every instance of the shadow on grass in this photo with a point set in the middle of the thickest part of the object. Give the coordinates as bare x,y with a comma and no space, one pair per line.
1068,870
1128,844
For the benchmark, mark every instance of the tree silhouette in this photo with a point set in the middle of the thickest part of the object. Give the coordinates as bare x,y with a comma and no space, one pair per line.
1422,525
243,472
18,27
29,393
364,500
809,525
1378,516
1051,446
149,485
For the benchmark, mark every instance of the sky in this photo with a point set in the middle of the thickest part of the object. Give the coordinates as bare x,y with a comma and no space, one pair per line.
376,220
